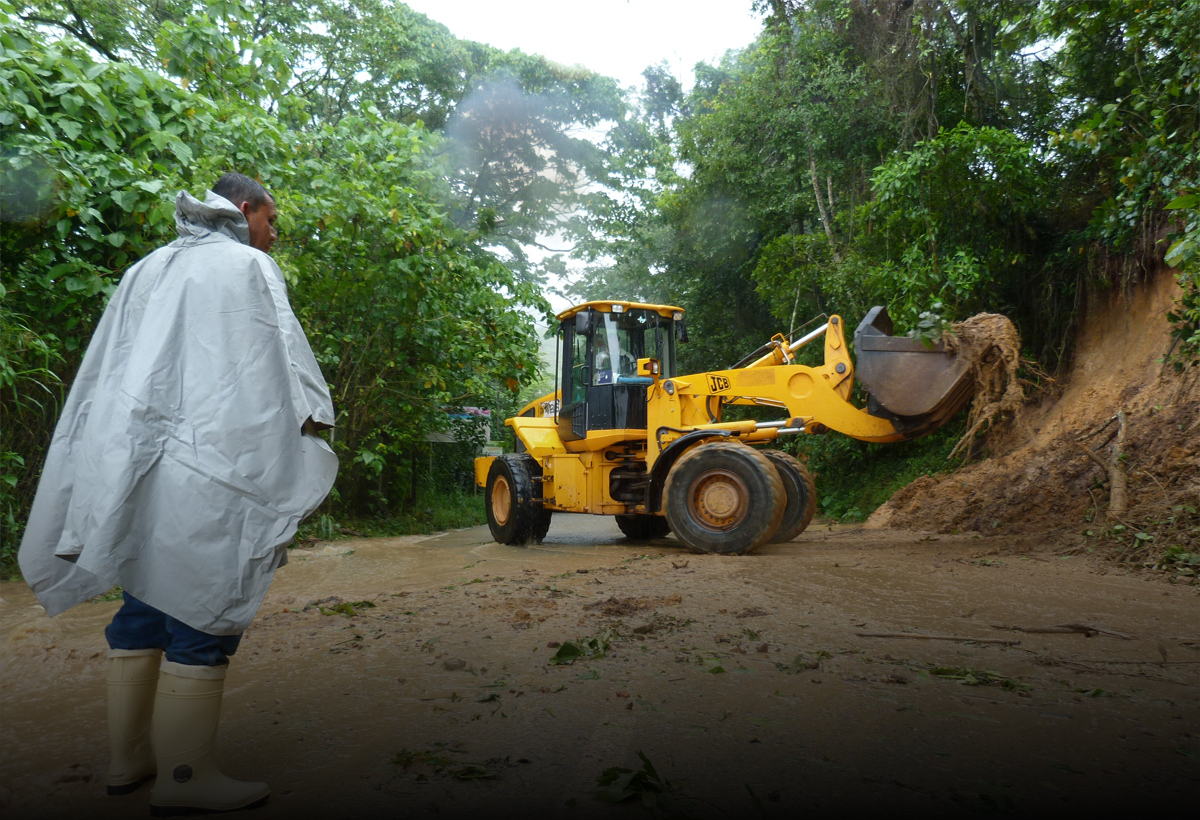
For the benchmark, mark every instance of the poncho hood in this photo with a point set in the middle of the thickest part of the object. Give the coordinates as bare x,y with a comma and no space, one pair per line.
216,214
178,469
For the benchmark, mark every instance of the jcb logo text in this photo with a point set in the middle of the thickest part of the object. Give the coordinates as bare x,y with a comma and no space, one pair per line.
718,383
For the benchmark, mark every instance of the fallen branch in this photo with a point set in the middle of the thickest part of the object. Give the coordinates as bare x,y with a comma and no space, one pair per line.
1138,663
1081,629
934,637
1100,670
1092,455
1098,431
1118,479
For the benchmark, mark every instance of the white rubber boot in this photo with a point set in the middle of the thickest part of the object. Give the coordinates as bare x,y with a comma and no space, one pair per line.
186,712
132,679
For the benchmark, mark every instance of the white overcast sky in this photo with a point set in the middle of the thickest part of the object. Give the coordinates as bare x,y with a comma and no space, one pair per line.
617,38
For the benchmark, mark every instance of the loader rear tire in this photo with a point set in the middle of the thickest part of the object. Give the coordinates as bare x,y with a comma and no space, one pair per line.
801,495
514,500
724,497
643,527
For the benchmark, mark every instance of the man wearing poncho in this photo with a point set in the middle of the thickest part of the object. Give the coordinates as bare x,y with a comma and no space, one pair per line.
185,458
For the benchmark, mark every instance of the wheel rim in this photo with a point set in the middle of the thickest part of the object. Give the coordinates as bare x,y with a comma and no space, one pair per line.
501,500
718,500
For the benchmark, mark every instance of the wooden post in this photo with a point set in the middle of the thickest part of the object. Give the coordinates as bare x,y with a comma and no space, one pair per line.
1118,501
1118,479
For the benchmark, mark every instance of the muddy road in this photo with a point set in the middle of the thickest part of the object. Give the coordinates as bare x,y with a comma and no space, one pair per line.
755,685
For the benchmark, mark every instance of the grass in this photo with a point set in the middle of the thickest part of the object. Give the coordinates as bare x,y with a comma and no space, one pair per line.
433,512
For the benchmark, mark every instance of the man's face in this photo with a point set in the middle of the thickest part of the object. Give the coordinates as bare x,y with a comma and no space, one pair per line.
262,225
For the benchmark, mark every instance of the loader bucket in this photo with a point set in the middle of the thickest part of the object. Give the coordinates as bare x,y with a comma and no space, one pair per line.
918,388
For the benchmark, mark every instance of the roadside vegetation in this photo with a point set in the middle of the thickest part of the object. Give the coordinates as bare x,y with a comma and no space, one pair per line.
942,157
434,511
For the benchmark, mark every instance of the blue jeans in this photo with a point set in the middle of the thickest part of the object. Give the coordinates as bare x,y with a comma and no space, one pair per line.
138,625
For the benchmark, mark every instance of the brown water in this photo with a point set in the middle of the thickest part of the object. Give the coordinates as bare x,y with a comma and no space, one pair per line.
320,705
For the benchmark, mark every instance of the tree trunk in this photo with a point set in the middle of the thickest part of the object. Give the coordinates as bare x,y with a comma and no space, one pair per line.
796,301
812,171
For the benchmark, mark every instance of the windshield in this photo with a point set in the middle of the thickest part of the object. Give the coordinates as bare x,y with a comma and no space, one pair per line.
623,338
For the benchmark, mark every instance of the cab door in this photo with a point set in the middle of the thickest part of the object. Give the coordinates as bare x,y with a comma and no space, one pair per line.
577,358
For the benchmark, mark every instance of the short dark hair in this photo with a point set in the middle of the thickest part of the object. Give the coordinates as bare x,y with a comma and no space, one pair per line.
239,188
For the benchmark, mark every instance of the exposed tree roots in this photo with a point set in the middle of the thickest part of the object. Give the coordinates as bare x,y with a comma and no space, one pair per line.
993,348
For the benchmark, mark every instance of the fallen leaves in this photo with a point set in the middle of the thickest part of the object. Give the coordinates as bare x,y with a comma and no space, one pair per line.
618,784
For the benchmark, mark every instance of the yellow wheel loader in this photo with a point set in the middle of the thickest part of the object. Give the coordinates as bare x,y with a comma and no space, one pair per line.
626,435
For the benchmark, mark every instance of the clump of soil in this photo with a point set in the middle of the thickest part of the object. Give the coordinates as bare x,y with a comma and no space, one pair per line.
617,607
992,346
1039,479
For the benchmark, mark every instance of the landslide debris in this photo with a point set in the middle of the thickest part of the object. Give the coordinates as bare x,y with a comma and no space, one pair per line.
992,346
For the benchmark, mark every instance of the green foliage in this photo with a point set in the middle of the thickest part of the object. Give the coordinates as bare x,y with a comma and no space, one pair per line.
595,646
219,51
618,784
368,52
998,187
114,594
347,608
1184,253
517,169
436,509
1185,318
1168,539
90,155
1178,560
405,313
410,316
853,477
30,390
968,676
515,165
1132,72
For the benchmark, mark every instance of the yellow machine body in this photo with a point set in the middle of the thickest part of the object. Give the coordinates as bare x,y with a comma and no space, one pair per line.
577,473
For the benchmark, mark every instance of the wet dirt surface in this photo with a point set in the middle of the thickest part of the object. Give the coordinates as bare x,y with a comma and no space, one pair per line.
751,683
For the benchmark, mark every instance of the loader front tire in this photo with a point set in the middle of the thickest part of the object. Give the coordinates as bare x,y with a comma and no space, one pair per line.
724,497
801,495
513,498
643,527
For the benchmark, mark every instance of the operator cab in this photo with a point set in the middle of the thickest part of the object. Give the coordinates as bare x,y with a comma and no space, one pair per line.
601,343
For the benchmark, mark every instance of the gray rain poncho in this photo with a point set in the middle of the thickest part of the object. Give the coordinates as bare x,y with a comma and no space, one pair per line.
178,469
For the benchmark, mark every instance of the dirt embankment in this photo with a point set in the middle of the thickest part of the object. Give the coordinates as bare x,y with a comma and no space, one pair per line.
1040,479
